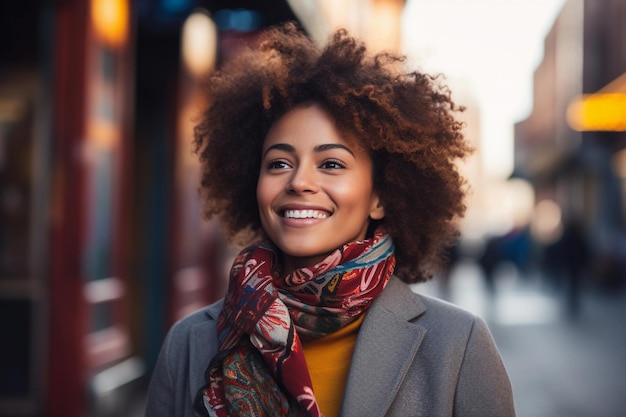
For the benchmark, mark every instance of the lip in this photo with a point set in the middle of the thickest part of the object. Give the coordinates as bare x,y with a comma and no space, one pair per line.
304,221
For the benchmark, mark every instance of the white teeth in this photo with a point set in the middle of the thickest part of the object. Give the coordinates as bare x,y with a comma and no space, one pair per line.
305,214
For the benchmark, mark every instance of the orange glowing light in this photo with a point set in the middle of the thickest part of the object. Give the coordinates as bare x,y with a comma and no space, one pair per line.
601,111
110,20
598,112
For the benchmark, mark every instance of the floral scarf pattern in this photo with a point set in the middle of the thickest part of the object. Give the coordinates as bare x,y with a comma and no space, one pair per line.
260,368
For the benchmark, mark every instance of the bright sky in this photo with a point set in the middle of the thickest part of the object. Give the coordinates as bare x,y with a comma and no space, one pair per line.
495,46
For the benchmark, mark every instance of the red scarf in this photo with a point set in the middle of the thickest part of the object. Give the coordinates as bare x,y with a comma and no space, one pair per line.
260,369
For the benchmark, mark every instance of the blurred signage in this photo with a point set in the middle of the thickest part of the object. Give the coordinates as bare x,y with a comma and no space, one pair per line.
598,112
604,110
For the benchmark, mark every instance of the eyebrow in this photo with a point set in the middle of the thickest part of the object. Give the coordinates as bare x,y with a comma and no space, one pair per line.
319,148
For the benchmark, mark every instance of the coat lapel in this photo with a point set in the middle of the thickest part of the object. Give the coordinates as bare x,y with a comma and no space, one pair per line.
386,346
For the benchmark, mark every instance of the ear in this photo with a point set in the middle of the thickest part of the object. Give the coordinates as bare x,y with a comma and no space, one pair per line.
377,211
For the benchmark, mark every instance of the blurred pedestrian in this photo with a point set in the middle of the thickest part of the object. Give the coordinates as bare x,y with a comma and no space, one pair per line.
339,173
573,252
490,258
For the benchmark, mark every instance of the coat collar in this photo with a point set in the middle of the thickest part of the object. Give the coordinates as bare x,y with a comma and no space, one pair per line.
386,346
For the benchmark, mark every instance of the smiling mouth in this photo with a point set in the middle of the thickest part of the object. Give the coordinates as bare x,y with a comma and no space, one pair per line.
304,214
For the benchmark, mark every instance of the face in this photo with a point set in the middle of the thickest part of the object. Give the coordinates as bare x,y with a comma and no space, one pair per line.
315,191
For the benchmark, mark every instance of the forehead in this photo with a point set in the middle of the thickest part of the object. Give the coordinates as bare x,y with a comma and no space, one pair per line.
309,124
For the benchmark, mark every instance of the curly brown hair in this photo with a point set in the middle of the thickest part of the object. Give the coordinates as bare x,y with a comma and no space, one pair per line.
405,120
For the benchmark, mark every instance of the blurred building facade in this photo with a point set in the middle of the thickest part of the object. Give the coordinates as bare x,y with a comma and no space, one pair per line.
102,245
571,148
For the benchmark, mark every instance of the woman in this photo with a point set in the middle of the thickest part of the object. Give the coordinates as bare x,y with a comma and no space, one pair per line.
338,171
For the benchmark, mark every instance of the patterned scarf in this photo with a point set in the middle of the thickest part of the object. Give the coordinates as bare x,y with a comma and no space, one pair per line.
260,369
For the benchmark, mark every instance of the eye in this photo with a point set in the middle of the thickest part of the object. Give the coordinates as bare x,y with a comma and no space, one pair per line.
332,164
277,164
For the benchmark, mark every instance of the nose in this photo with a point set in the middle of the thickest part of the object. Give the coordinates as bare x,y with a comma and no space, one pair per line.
303,180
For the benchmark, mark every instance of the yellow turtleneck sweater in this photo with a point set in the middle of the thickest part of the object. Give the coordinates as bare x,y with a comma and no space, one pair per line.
328,359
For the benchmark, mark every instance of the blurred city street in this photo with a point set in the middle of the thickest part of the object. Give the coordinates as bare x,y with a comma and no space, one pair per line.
103,242
559,365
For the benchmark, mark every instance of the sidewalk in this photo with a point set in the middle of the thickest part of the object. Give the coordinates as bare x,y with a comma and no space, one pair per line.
559,367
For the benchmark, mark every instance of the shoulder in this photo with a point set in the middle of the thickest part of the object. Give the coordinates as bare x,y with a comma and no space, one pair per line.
206,316
443,354
447,326
443,312
454,329
197,331
400,299
191,343
179,372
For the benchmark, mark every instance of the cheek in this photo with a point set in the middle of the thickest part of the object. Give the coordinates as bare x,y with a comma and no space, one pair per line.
358,194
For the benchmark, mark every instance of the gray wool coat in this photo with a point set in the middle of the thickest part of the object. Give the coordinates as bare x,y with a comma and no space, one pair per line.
415,356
